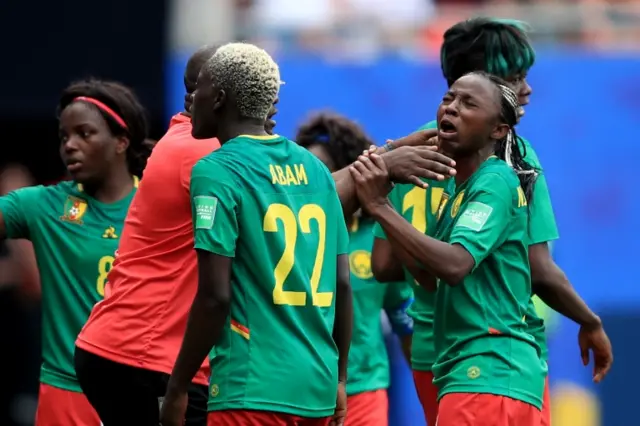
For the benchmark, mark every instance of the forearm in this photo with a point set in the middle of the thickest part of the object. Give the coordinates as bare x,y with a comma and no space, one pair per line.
346,188
443,260
204,328
343,327
557,292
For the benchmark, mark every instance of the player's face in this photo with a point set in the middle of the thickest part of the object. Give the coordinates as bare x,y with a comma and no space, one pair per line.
206,109
518,83
271,123
469,116
321,153
87,146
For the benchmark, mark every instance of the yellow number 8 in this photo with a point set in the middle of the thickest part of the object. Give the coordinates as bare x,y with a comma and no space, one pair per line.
308,212
104,266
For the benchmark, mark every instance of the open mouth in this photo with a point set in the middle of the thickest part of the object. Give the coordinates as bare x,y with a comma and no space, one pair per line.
446,127
74,166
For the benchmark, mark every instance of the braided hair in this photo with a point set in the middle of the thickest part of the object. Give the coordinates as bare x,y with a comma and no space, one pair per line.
126,105
511,148
343,139
497,46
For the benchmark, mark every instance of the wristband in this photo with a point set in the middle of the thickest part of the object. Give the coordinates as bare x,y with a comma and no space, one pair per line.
389,146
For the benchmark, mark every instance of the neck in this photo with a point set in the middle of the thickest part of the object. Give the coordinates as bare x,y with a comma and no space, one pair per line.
114,187
247,126
468,165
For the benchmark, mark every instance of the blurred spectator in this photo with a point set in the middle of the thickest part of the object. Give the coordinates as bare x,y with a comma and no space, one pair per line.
19,318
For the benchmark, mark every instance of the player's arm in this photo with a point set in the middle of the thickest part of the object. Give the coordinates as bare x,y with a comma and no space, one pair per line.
547,279
214,205
409,161
17,210
449,261
343,324
551,284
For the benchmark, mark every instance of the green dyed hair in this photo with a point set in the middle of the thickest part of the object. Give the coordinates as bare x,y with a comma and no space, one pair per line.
496,46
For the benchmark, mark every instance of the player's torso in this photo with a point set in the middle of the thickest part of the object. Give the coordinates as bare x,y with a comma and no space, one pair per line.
283,281
368,367
74,238
480,330
422,207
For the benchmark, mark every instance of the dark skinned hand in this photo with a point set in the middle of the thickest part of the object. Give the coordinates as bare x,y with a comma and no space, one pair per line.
415,158
174,407
595,339
372,182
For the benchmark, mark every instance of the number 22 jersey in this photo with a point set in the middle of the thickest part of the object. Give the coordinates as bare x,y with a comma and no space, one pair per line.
74,238
273,207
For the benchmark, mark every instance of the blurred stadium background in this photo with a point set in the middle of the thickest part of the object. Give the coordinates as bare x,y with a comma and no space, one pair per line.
377,62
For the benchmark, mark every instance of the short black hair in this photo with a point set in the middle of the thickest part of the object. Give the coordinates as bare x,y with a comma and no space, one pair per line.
511,148
496,46
343,139
123,102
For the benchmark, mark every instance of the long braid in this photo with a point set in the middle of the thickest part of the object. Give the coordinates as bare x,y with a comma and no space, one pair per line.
511,148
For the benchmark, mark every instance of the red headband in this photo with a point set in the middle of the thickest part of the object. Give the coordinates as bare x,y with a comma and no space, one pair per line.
104,108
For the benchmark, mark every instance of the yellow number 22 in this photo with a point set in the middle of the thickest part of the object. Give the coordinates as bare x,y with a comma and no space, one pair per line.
104,266
284,214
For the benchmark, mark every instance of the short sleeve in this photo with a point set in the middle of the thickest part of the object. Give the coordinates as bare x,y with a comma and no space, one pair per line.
542,222
215,209
480,226
18,210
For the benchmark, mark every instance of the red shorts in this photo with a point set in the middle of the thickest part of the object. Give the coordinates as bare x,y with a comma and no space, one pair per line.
260,418
545,416
483,409
368,409
62,407
427,394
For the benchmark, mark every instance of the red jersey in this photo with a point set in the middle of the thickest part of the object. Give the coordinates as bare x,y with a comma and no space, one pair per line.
142,320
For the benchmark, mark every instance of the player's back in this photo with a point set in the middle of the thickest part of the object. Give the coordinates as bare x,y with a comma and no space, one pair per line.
278,353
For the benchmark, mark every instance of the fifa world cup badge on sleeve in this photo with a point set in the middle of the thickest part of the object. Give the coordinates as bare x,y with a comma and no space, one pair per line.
205,211
475,216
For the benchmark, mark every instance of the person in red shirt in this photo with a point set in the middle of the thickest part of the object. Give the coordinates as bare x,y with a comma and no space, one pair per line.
127,348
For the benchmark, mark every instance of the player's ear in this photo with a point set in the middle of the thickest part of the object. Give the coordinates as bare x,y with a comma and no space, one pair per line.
219,99
122,144
499,132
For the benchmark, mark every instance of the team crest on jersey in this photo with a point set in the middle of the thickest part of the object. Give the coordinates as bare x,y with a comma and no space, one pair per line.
457,202
74,210
110,233
360,264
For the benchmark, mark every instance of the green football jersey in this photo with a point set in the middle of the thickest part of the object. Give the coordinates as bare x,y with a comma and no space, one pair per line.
74,238
368,367
542,228
480,331
272,206
421,207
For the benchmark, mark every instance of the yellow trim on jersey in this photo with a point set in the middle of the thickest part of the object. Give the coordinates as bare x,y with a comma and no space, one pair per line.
260,137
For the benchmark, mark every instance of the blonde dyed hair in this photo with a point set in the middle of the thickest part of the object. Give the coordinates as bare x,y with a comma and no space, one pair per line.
249,73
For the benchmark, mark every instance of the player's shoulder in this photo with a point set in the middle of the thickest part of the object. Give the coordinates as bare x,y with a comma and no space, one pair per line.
430,125
496,174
